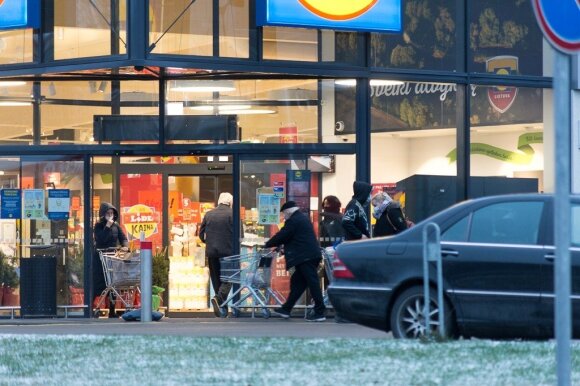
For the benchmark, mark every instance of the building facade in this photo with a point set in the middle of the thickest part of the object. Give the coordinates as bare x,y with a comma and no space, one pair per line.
158,106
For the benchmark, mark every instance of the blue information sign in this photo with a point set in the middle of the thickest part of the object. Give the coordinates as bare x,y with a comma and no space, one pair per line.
58,204
560,22
350,15
10,204
16,14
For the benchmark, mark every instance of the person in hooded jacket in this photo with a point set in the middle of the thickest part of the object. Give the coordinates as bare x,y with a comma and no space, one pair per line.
355,220
108,234
389,215
216,232
302,251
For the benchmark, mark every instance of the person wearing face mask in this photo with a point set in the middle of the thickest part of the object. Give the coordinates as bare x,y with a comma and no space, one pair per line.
330,227
355,220
302,251
108,234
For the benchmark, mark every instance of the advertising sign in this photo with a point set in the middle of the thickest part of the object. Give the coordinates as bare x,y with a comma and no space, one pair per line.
11,203
16,14
268,206
141,218
351,15
33,203
298,183
58,204
501,98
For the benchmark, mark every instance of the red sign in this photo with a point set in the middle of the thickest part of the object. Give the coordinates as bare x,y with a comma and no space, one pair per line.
502,98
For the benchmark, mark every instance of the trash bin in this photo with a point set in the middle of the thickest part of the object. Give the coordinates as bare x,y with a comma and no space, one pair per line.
38,283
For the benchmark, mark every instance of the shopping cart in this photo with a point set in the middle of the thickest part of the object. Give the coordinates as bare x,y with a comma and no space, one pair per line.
252,272
327,259
122,273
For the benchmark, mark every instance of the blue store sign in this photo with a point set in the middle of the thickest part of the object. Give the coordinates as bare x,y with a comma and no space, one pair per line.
16,14
560,22
350,15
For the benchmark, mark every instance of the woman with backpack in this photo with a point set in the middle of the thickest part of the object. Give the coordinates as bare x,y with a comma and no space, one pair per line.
389,215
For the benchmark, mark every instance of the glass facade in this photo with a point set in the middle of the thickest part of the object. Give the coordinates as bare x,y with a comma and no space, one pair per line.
205,102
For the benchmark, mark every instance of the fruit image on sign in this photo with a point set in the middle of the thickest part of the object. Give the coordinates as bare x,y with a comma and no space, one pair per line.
338,9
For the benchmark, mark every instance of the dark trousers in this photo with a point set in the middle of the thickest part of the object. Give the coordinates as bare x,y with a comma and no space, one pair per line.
305,276
221,290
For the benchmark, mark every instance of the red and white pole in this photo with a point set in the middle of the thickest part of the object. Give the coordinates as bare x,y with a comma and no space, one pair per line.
146,279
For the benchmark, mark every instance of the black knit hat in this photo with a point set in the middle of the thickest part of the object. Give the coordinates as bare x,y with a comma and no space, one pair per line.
288,205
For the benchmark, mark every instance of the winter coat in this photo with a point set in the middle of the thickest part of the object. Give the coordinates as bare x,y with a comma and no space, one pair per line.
391,222
331,230
216,232
299,240
109,237
355,220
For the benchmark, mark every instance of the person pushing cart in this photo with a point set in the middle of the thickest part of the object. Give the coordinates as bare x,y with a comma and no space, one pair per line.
302,251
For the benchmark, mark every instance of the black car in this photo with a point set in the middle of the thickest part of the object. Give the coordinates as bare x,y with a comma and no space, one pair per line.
498,272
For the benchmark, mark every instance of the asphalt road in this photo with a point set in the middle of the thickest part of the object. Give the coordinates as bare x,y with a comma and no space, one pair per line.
209,327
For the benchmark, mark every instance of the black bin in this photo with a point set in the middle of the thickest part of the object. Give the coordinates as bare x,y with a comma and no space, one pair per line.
38,285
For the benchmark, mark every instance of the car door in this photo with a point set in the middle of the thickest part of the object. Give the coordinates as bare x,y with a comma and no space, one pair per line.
492,261
547,281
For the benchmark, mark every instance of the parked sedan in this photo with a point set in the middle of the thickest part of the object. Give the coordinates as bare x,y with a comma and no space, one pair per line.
498,268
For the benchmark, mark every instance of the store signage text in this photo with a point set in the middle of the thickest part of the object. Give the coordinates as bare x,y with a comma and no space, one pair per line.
141,218
417,89
351,15
15,14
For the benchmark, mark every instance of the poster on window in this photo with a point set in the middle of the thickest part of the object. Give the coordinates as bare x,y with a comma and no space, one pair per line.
11,204
33,204
58,204
298,188
268,207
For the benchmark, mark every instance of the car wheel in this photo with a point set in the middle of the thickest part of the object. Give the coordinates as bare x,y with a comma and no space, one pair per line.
408,315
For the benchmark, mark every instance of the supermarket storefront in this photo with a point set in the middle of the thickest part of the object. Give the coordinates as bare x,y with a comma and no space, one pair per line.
158,106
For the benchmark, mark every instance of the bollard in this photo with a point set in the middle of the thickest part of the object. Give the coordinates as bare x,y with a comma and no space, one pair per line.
145,255
432,253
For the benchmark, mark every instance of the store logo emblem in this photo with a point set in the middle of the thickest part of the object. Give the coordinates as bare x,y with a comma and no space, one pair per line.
502,98
338,9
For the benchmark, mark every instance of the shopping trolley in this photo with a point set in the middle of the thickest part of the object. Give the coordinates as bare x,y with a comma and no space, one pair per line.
122,273
253,273
327,260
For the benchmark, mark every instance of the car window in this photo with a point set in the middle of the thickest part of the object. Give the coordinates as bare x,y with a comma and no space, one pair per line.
576,225
457,231
507,223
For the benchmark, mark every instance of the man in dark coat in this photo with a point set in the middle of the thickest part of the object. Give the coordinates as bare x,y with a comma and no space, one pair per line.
302,251
355,220
216,232
108,234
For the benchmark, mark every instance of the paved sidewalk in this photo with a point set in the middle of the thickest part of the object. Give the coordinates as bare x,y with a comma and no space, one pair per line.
207,327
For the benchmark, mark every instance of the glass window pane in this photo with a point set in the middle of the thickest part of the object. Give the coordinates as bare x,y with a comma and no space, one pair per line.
576,225
16,46
68,111
428,40
181,27
281,43
15,113
234,28
84,28
257,111
456,232
504,38
511,136
507,223
413,136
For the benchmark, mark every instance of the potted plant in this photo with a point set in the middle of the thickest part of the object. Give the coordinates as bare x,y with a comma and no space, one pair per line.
10,282
161,270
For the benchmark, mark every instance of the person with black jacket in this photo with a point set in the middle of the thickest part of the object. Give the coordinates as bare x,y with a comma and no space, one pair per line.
355,220
330,227
108,234
389,215
302,251
216,232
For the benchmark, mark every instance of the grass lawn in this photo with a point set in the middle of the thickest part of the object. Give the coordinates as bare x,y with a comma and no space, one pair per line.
166,360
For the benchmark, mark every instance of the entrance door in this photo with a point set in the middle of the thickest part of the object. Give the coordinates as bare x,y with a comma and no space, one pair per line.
189,198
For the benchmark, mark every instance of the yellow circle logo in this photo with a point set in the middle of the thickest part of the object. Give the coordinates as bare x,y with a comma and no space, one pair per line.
338,9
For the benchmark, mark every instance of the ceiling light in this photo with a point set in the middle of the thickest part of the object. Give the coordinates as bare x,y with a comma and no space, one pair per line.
203,85
221,107
373,82
14,104
103,86
12,83
248,112
51,89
